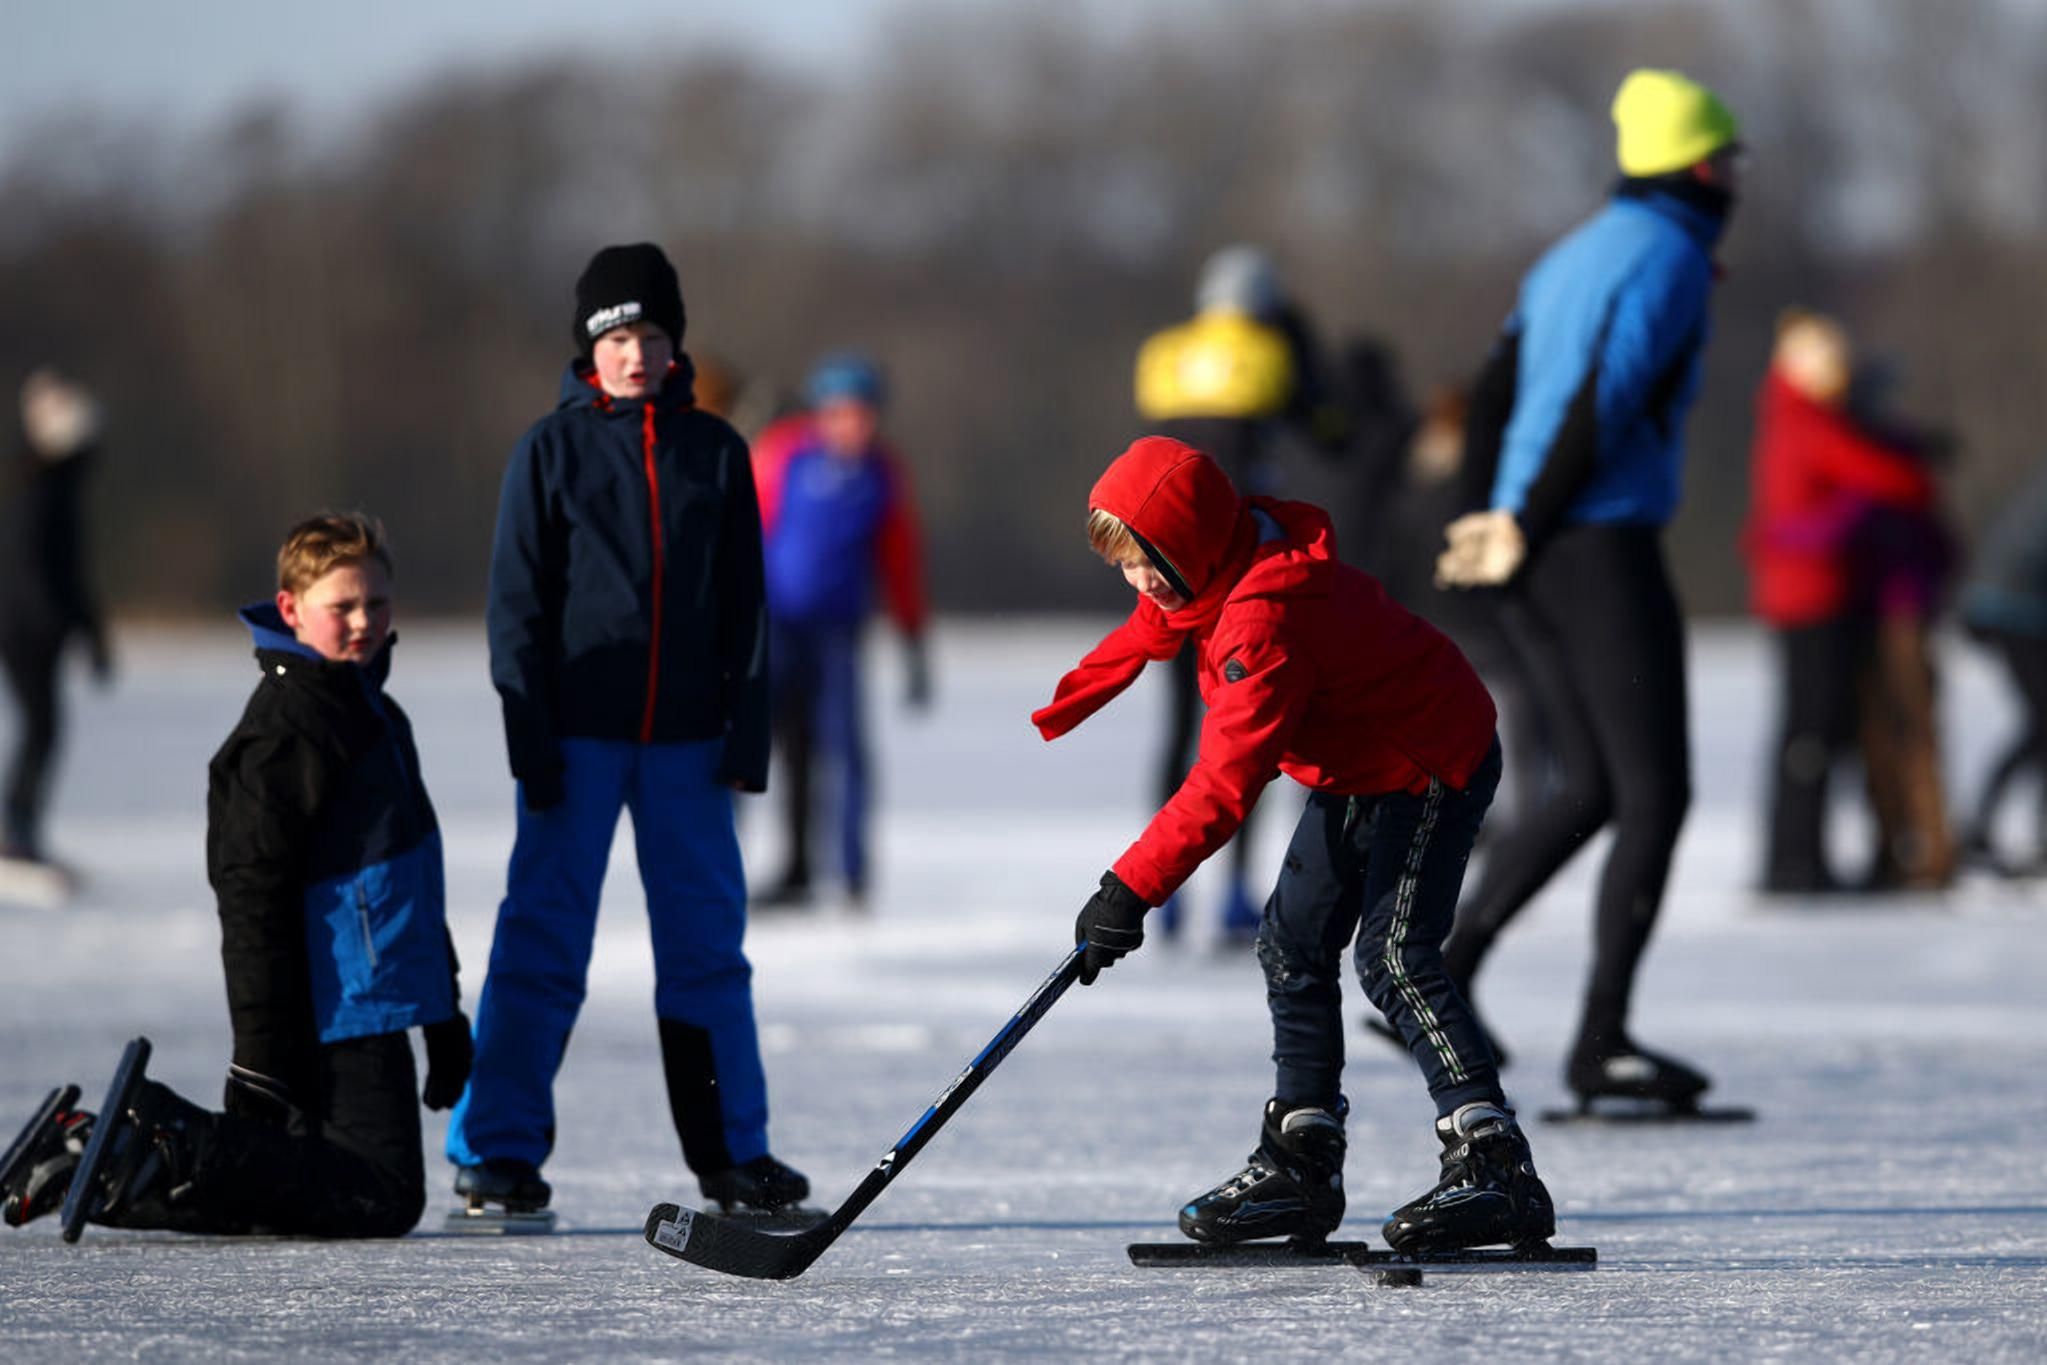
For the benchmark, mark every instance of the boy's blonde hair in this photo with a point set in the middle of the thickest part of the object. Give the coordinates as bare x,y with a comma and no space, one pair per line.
320,544
1110,538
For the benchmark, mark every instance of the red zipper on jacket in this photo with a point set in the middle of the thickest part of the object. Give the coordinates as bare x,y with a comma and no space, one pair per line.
654,523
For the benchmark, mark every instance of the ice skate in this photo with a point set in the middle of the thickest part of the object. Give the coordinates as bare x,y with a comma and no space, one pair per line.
1291,1187
36,1171
763,1191
35,883
1489,1195
140,1155
502,1195
1620,1082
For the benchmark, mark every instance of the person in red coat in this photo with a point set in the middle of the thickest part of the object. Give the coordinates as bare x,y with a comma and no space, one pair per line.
1817,476
1306,667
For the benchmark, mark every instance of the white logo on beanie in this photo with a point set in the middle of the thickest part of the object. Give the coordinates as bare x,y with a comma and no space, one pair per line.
604,319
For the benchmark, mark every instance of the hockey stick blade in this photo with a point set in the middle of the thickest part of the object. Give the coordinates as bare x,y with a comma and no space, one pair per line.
734,1248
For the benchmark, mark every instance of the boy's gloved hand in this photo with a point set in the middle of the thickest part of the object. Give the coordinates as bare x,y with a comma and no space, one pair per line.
448,1054
1485,550
1110,924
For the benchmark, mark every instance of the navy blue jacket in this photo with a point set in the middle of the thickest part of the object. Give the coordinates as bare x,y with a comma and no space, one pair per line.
1601,359
325,859
625,581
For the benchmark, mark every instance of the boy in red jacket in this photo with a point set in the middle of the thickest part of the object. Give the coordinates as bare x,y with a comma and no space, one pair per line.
1308,668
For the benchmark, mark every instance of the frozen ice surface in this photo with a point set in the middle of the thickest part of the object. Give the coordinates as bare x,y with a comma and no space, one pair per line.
1890,1204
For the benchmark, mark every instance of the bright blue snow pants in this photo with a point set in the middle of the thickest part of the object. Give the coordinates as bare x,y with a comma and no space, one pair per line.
696,907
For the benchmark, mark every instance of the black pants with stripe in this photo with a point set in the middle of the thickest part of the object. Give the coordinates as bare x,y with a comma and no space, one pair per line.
1383,872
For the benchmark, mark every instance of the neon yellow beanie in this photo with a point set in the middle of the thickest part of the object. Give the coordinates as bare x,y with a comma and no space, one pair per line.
1668,122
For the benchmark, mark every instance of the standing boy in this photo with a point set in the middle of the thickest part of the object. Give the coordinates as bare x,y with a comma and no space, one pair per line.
1308,668
325,856
836,514
628,643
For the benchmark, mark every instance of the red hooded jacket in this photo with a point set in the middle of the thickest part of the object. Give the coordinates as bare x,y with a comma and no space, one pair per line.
1306,665
1815,474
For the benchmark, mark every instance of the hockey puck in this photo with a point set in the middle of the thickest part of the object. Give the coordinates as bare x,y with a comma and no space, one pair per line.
1398,1277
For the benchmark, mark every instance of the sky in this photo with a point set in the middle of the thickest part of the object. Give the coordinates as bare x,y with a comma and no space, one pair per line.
191,63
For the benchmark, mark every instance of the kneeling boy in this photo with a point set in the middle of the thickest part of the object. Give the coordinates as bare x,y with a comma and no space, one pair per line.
325,857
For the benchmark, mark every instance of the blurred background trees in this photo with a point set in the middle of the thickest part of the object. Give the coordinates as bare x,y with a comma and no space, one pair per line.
1000,211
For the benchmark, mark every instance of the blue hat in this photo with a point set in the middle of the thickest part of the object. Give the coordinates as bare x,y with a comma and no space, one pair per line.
845,374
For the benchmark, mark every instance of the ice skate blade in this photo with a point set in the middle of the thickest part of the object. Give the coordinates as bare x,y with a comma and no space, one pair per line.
62,1098
494,1221
1595,1112
35,886
82,1199
794,1218
1363,1256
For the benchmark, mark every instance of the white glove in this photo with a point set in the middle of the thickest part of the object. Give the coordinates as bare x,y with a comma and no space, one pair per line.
1485,550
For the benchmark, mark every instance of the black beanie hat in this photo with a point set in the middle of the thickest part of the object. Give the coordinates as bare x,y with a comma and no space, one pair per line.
627,284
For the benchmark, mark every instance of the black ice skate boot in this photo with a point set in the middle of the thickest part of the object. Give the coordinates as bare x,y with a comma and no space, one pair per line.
1489,1192
513,1184
1613,1067
153,1148
37,1169
762,1185
1291,1187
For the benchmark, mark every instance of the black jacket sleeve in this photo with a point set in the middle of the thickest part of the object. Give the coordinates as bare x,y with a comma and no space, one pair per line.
743,627
523,615
263,796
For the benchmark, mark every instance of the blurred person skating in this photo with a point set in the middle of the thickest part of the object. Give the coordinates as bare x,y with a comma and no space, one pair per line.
1580,410
1902,558
1308,668
325,860
1239,380
45,603
628,643
837,514
1817,473
2004,606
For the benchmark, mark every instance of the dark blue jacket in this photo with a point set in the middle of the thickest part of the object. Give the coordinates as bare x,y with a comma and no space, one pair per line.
1603,351
325,859
625,581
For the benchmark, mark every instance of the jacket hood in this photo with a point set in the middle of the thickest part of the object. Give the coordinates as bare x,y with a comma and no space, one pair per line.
1700,210
1182,503
1297,564
270,634
579,388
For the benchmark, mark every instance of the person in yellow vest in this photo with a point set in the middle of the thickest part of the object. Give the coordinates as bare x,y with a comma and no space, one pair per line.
1240,380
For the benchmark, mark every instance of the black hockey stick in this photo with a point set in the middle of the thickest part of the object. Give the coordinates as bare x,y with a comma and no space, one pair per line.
736,1249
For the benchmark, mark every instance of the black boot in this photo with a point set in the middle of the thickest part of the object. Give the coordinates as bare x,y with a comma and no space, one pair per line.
1489,1192
763,1184
1291,1187
153,1152
508,1181
1611,1066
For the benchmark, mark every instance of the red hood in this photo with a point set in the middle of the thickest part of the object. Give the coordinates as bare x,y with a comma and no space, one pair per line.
1182,502
1298,565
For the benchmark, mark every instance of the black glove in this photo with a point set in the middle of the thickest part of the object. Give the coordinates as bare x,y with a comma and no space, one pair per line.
543,790
916,675
1110,924
448,1054
266,1099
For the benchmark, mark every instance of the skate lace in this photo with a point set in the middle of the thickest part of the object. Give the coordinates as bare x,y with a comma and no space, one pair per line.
1258,1170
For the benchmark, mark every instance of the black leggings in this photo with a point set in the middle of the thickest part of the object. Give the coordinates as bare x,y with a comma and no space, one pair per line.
1601,641
31,665
1822,664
